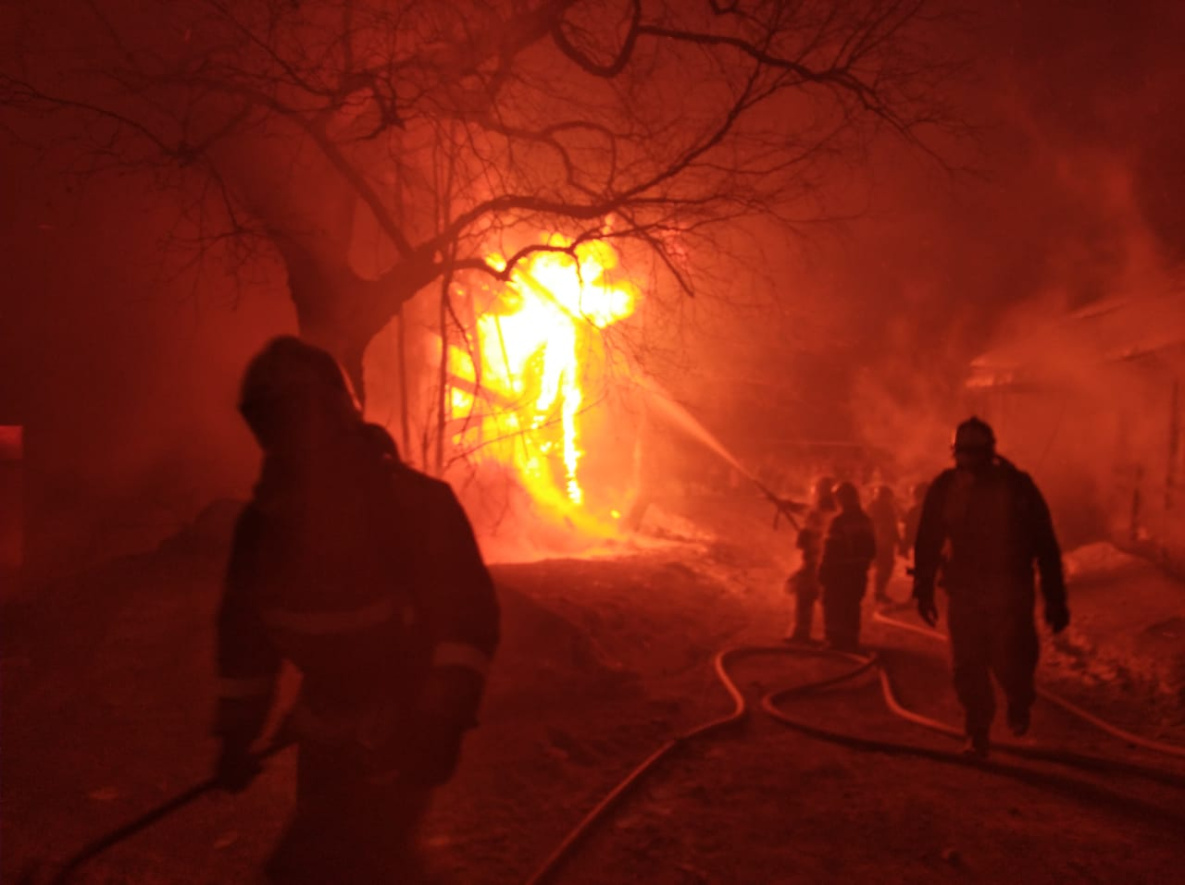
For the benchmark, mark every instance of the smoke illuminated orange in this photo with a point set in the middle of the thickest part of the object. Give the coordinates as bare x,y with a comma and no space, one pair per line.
538,357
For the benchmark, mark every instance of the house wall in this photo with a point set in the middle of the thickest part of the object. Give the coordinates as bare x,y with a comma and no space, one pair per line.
1106,448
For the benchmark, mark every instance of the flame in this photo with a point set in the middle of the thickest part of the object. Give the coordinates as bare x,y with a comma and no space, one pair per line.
520,385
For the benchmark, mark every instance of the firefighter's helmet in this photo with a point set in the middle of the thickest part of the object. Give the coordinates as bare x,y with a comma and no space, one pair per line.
289,372
380,438
974,435
824,493
848,496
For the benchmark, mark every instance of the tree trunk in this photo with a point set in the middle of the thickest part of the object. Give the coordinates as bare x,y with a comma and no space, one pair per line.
340,311
404,404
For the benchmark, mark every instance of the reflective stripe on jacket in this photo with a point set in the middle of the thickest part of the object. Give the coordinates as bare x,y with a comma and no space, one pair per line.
364,580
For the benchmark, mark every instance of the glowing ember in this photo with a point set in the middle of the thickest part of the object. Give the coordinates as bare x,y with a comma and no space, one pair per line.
539,354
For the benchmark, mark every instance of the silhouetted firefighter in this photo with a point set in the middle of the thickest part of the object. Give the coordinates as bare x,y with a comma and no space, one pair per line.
983,525
366,575
848,551
804,583
913,516
883,512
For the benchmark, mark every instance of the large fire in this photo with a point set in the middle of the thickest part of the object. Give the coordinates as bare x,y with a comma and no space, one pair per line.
536,364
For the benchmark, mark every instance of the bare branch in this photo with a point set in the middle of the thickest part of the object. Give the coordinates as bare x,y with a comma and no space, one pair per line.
653,126
589,66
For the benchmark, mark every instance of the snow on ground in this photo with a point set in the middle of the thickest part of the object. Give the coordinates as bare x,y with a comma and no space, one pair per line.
108,692
1126,640
1092,561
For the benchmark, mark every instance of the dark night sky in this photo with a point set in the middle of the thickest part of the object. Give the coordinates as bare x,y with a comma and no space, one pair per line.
126,373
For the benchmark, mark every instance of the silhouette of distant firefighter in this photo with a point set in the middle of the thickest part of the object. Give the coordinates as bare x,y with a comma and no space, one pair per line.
883,512
804,583
848,551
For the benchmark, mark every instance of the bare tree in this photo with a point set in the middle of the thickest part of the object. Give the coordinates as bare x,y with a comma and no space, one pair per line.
442,131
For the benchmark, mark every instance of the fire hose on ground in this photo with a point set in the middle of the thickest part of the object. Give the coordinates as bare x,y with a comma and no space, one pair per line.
1055,699
770,703
64,872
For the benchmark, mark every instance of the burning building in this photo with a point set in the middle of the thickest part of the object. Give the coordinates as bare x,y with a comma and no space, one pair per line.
1093,403
533,407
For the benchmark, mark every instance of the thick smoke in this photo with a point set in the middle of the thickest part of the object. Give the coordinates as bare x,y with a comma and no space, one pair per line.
1074,201
121,362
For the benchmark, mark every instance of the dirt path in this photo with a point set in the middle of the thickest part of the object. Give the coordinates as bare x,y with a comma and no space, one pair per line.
107,694
773,806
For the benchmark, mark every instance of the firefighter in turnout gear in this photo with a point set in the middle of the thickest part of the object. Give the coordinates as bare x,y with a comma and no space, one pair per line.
804,583
983,527
848,551
913,516
883,512
366,576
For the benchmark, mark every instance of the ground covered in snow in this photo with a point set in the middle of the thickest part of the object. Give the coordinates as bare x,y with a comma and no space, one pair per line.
107,693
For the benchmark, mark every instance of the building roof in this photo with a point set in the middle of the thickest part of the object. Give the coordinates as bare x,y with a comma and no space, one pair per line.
1111,330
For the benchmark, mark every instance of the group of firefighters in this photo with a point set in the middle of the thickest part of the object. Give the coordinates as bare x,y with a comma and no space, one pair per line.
839,541
365,575
977,530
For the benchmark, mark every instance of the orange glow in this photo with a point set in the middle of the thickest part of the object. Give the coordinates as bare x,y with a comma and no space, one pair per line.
539,358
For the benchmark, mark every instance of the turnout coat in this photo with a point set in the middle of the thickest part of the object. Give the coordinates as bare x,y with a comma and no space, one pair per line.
365,576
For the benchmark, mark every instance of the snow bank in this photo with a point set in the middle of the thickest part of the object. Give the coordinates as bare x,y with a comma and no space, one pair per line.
1127,634
1097,559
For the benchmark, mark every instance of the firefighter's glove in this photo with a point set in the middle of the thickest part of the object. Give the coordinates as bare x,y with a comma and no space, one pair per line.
236,767
452,694
1057,616
927,609
434,749
448,709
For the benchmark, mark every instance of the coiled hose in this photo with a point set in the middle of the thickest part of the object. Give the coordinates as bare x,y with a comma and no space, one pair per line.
863,664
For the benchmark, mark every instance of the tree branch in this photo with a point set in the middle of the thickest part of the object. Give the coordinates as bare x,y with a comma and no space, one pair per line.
589,66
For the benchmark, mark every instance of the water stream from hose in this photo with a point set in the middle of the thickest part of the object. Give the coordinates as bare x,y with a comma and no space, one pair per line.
665,405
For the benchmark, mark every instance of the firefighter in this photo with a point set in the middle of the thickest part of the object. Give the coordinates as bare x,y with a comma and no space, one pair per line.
804,583
984,524
366,576
848,551
883,512
912,517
